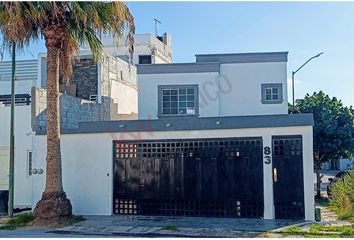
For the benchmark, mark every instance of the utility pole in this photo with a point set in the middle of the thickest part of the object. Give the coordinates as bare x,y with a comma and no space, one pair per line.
156,22
12,135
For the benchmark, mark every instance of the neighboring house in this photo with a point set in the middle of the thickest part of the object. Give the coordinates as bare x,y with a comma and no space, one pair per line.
148,49
342,164
213,138
345,164
106,90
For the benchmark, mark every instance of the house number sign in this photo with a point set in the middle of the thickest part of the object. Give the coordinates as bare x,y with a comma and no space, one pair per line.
267,157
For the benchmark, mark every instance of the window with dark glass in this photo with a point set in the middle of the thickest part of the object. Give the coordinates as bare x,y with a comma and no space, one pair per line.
178,100
144,59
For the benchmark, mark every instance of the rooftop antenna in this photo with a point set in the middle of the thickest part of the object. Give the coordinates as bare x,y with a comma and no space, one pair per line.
156,21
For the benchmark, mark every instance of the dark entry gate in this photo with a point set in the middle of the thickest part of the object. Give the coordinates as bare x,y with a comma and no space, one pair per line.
195,177
288,177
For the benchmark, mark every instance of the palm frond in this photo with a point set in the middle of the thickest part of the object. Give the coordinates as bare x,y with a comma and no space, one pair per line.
24,22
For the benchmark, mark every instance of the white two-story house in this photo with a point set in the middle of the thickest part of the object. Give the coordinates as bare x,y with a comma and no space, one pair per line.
213,138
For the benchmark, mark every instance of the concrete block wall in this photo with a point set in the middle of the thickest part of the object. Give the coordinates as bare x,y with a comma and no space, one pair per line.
72,110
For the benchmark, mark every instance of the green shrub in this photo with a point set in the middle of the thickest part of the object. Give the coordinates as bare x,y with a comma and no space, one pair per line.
342,197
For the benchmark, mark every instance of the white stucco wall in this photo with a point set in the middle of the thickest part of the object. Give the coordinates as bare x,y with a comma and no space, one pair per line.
126,96
88,165
245,96
148,92
235,91
23,144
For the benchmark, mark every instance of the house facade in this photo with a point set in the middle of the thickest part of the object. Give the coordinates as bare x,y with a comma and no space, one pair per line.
212,138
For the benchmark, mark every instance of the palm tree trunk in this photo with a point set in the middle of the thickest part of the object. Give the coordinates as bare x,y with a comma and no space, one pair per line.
54,203
54,172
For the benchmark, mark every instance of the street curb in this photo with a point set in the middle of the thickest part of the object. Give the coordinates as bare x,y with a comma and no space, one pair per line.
302,224
148,234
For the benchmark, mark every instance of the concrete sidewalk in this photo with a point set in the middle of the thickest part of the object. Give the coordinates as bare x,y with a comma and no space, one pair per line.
159,226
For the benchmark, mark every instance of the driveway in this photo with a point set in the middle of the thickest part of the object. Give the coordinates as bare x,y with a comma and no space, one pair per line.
160,226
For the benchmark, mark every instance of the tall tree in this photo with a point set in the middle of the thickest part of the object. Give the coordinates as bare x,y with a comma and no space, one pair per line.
333,130
64,26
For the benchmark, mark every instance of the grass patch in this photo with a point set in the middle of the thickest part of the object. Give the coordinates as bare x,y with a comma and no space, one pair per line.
71,220
293,230
19,221
169,227
317,231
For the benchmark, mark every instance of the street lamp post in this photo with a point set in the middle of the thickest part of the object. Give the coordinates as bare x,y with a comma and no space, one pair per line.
12,133
294,72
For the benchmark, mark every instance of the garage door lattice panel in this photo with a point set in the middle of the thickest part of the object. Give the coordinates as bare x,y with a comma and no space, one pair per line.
200,177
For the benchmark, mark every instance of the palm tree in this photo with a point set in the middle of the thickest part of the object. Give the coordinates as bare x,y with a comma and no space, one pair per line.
64,26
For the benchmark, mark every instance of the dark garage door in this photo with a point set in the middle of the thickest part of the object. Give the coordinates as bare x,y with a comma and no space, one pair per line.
198,177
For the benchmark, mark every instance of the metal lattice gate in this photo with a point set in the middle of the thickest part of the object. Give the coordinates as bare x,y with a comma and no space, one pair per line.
288,182
198,177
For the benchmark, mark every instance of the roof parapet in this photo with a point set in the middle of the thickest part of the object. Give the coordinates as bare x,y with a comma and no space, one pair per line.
243,57
178,68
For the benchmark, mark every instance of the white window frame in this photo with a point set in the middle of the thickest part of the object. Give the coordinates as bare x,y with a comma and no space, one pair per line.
272,87
161,88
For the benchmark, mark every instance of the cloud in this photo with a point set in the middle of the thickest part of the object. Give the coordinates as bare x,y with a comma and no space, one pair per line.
297,81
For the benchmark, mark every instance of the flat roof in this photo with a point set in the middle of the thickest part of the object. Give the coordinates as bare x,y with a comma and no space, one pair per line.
211,62
178,68
243,57
192,123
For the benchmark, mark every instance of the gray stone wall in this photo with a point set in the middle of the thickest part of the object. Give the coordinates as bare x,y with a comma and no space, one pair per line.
85,73
72,110
75,106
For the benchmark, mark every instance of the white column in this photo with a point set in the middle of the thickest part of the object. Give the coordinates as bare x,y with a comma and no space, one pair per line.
268,180
307,144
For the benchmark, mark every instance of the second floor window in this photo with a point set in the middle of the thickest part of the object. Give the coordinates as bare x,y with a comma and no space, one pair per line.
272,93
178,100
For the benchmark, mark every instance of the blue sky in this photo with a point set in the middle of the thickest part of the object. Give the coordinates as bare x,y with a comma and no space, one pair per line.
302,28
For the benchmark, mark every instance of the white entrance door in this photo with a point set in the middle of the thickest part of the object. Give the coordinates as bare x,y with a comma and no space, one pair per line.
4,168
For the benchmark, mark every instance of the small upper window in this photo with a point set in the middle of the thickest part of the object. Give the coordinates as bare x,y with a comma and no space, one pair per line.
272,93
178,100
144,59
